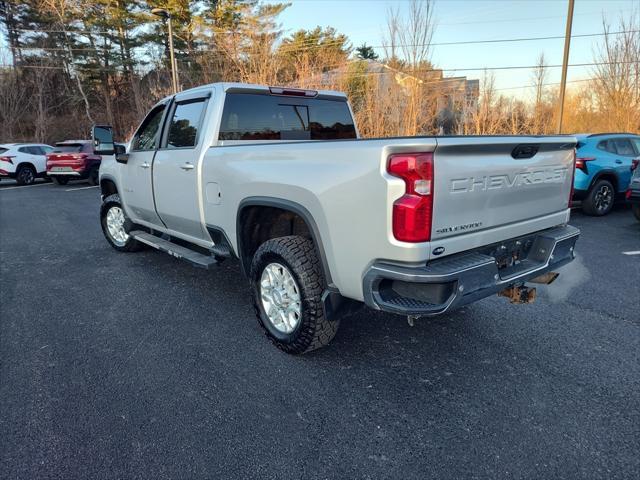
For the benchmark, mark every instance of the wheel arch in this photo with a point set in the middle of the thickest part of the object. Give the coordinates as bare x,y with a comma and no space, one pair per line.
108,187
281,210
606,174
26,164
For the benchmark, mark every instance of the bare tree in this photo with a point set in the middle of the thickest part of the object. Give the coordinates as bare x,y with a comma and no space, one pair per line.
13,102
617,75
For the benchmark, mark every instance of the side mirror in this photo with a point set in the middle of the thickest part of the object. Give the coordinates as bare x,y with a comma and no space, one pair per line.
103,140
121,153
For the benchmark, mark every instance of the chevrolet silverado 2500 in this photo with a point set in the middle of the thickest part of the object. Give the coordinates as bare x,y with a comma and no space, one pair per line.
322,221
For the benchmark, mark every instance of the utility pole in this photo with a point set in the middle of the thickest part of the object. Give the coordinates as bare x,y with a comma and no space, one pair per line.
162,13
565,63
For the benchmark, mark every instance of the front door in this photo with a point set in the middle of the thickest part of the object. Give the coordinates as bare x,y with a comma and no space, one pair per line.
137,173
175,168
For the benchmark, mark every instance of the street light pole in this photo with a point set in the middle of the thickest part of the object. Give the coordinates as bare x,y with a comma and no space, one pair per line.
162,13
565,63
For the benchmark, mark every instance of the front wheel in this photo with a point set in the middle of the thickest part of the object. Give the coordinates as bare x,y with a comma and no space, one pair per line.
287,284
599,200
116,225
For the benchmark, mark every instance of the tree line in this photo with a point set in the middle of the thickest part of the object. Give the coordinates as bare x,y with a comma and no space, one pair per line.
70,63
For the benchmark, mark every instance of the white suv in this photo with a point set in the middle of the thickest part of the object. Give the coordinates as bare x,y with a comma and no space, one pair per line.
23,161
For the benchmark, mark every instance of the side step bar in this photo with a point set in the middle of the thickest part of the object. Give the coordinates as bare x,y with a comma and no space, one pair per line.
175,250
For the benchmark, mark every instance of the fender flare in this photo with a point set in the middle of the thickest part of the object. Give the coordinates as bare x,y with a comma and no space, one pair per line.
292,207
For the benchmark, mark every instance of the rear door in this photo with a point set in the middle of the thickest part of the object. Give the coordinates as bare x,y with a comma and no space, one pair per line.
137,172
488,182
625,152
29,154
175,168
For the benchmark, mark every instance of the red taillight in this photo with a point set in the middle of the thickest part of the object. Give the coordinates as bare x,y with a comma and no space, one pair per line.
634,163
7,159
627,194
295,92
581,163
412,213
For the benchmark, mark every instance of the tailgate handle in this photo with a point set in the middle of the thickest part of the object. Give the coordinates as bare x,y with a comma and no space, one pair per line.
525,151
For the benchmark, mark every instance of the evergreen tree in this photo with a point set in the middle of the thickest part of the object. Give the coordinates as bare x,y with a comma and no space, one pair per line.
365,52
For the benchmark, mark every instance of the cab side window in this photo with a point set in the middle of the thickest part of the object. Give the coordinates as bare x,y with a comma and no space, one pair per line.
147,136
185,124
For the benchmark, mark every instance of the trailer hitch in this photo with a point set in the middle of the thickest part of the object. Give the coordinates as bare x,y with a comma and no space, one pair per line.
519,294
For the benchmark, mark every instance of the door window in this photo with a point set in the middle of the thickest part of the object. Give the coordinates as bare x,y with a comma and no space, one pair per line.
146,138
624,147
185,124
607,146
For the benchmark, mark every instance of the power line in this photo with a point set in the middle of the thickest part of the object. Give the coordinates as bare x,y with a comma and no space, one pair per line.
411,73
311,44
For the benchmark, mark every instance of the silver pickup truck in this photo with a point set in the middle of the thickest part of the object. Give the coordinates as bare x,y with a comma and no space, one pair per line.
322,221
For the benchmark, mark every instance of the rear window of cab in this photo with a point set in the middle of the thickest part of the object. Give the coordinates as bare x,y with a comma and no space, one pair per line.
250,116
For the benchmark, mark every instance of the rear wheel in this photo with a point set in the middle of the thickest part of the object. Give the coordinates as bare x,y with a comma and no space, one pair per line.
599,200
26,175
61,180
94,175
287,284
636,211
116,225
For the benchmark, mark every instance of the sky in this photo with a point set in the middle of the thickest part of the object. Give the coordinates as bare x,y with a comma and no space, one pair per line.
470,20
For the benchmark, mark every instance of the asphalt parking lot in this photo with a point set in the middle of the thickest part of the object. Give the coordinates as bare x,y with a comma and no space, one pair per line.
140,366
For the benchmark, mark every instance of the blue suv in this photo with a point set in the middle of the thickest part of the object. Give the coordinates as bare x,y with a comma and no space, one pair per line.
603,169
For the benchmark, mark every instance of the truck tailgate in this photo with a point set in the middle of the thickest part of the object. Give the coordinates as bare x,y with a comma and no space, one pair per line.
486,182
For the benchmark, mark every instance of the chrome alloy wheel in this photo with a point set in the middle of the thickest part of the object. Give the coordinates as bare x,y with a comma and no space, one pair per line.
603,198
280,297
115,226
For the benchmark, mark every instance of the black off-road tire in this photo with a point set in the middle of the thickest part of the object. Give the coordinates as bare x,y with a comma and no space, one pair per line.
26,175
131,244
60,180
591,204
636,211
299,255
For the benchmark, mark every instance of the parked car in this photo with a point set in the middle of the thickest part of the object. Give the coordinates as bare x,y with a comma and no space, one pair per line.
73,160
633,193
24,161
322,221
603,169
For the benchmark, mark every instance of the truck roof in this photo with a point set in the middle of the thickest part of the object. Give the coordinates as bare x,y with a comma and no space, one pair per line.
255,88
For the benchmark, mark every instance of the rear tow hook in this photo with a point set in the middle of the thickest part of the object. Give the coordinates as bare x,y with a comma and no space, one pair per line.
519,294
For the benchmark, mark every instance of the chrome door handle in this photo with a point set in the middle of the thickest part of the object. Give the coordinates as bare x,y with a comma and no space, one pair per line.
145,165
187,166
